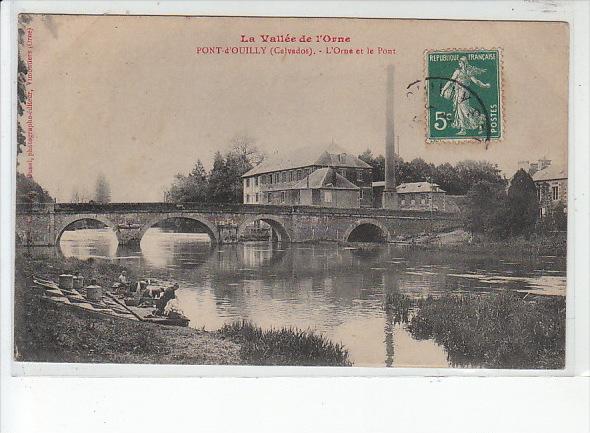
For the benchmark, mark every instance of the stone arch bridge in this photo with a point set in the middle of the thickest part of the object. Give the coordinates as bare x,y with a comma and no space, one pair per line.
45,223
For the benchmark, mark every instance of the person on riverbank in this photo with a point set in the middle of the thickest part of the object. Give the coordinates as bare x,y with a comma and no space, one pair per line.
168,295
123,278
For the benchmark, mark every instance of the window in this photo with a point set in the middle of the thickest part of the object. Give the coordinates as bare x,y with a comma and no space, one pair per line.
538,192
555,192
290,178
247,198
257,197
359,175
403,202
284,176
328,196
282,196
298,174
247,182
413,202
256,183
361,195
422,201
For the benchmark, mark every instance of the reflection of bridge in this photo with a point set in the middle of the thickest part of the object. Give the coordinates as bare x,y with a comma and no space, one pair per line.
44,224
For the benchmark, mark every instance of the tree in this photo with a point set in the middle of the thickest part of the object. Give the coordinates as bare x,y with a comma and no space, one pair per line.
378,164
555,219
189,189
225,180
471,172
523,206
29,191
75,196
102,191
244,148
485,206
21,91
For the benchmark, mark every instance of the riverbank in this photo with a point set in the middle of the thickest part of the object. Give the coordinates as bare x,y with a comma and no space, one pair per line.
46,331
494,330
546,244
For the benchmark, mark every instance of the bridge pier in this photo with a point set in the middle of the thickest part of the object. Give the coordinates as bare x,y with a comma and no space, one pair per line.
228,233
130,236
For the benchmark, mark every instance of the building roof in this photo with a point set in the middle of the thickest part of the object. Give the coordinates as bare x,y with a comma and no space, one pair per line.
324,178
550,173
414,187
332,155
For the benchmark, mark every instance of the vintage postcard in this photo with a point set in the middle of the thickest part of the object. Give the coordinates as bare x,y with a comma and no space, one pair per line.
291,191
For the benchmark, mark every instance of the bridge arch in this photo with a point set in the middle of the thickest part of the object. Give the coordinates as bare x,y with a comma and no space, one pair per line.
368,227
276,223
80,217
210,228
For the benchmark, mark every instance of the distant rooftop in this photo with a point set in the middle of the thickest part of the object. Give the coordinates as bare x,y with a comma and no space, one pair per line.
550,173
413,187
330,155
324,178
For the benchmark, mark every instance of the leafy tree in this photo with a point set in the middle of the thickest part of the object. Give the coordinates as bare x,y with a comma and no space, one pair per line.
416,170
21,91
223,184
523,205
471,172
225,180
555,219
378,164
29,191
189,189
102,192
485,208
446,176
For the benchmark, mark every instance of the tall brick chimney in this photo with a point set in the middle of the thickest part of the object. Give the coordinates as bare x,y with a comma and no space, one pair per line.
389,193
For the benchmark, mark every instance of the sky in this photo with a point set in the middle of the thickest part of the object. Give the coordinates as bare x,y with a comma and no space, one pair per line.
130,98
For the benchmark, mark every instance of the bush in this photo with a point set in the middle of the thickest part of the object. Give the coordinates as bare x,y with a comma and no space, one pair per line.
555,220
495,331
285,346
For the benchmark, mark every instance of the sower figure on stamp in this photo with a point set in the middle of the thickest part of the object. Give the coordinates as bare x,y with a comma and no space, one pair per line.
457,90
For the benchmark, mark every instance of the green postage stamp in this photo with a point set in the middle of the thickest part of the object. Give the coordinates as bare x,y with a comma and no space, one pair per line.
464,100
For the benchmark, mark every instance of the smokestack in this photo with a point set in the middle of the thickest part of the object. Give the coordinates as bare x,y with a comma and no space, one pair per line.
389,193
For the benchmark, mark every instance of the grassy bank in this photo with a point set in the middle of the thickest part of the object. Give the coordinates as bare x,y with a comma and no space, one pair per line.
498,330
550,244
45,331
284,346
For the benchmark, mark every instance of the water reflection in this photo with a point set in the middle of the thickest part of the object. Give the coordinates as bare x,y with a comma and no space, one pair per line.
89,243
338,291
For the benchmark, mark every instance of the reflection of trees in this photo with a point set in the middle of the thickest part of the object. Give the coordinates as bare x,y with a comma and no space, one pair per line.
390,285
389,343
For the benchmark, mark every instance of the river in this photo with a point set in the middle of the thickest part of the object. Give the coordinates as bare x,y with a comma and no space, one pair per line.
334,290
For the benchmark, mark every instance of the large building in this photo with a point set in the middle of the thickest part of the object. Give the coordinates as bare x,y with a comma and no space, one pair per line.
328,177
551,183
